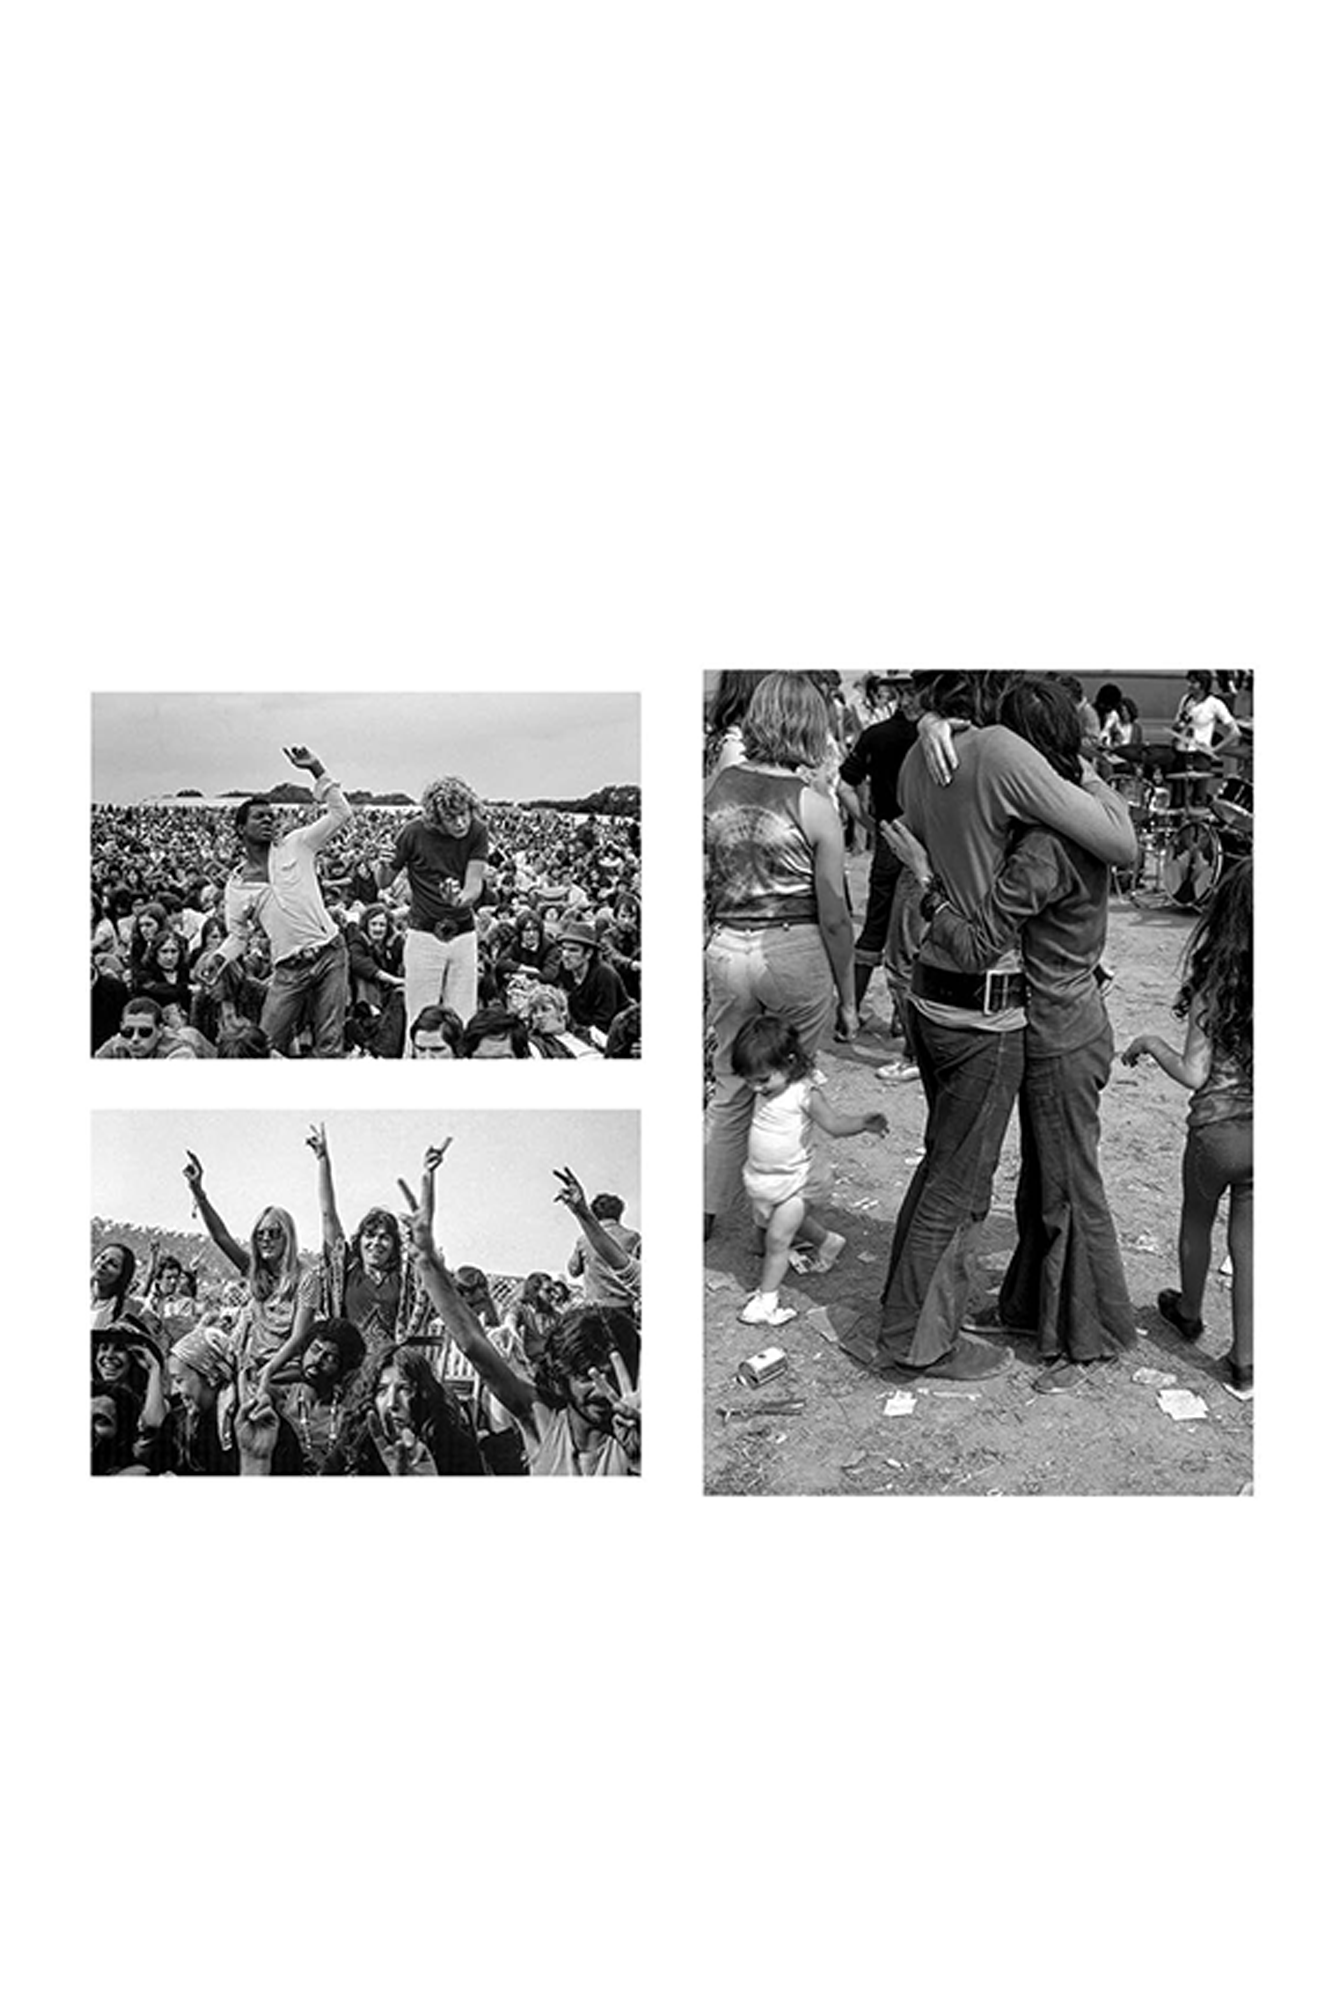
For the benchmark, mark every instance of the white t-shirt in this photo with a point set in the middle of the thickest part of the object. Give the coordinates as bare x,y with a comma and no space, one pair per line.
1201,720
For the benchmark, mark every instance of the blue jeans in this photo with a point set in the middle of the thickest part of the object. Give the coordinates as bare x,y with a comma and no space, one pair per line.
1065,1278
971,1079
322,981
782,970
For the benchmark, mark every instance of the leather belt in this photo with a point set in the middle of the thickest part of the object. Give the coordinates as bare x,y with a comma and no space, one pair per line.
307,954
980,993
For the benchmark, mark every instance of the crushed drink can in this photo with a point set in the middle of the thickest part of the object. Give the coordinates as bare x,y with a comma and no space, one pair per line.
762,1367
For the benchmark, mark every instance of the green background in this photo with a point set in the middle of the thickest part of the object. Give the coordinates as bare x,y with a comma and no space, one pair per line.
685,323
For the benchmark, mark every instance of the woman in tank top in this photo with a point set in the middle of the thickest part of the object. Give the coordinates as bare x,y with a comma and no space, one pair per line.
780,935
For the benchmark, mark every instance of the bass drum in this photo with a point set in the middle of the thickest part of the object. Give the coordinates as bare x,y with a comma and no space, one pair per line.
1192,864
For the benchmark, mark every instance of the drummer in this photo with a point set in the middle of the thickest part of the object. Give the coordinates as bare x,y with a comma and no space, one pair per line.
1204,728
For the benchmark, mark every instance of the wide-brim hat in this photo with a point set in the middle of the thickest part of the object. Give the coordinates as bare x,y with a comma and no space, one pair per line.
578,933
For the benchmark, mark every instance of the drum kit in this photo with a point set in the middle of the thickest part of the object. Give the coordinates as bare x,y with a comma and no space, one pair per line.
1186,842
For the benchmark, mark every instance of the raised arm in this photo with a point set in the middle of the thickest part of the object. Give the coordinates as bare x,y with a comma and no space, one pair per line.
614,1255
317,1140
464,1328
234,1252
430,1162
337,811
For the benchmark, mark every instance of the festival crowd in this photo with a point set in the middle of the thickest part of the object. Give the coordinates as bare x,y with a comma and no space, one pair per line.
462,930
375,1357
995,822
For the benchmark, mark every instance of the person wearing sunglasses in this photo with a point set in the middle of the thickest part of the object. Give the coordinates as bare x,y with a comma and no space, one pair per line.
281,1293
143,1036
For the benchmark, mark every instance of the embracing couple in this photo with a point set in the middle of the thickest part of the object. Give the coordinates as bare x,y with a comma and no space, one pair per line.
1012,836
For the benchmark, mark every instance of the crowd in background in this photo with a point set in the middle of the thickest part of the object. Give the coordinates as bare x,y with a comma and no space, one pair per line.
557,926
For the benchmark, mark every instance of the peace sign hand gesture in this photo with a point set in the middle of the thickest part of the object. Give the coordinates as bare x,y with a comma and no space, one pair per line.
317,1140
417,1226
402,1454
571,1190
626,1406
432,1156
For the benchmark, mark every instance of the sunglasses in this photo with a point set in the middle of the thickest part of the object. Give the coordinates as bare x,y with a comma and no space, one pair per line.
144,1034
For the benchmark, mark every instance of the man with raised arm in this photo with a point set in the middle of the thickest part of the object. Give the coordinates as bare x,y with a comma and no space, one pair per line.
276,887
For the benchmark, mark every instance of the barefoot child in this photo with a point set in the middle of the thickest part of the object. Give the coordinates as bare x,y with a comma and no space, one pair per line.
780,1173
1217,1064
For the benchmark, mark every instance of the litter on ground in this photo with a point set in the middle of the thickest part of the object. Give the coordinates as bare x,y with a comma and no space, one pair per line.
818,1318
1182,1405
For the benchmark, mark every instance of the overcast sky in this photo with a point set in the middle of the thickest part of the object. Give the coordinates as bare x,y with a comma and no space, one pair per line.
495,1189
506,746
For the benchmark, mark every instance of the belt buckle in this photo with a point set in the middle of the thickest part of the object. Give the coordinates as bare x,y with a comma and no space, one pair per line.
989,1004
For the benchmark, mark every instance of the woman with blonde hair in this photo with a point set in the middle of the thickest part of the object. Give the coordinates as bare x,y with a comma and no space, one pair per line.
281,1295
780,933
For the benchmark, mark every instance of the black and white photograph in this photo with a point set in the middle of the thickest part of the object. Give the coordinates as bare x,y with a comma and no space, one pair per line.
445,1294
979,1167
383,876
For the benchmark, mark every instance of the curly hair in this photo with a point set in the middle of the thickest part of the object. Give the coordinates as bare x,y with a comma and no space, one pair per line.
446,798
1219,967
585,1337
379,1215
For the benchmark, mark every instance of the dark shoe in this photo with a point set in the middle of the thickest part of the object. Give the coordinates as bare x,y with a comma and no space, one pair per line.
1242,1379
1168,1305
988,1321
1058,1380
970,1361
1067,1374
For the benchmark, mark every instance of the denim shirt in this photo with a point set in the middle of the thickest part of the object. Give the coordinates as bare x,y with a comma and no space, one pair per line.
1050,898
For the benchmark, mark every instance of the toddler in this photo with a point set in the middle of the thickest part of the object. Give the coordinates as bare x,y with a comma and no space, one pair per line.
780,1170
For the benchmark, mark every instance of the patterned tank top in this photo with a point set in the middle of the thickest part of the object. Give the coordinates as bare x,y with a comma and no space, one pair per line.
761,866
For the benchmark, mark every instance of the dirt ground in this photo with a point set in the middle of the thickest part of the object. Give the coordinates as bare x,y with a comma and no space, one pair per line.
821,1426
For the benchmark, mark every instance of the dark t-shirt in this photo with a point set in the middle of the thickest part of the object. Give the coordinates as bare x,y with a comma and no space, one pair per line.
879,755
109,998
432,860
